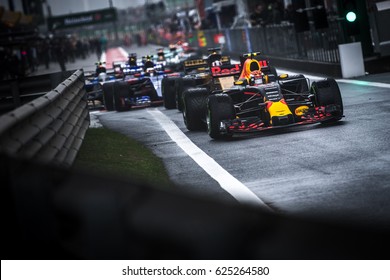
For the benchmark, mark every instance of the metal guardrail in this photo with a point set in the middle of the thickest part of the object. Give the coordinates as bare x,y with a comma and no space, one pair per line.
14,93
51,128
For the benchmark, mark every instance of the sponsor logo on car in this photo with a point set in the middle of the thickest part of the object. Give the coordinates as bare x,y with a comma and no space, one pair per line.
225,70
301,110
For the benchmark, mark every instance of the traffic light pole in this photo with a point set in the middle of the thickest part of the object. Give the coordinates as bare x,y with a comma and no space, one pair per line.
354,16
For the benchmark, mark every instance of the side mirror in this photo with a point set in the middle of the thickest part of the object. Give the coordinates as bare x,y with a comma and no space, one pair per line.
283,76
241,82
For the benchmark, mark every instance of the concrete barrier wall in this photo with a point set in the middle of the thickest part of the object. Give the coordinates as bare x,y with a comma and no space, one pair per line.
50,128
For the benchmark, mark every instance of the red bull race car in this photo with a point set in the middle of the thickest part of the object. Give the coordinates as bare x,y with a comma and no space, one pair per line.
197,73
252,101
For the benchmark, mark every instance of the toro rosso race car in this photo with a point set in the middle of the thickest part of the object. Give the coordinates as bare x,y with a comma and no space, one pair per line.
132,84
256,101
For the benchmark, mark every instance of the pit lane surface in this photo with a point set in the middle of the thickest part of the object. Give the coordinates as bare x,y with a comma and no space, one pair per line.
339,171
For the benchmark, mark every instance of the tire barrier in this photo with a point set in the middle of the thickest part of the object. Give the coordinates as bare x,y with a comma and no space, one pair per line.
50,128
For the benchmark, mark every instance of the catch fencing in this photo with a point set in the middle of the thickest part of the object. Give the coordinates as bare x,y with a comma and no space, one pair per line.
49,129
315,50
277,40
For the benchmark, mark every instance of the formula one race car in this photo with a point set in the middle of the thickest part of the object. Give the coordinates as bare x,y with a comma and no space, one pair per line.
258,101
129,84
139,87
94,83
173,57
197,73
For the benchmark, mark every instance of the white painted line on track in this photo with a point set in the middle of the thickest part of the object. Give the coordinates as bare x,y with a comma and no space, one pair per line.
347,81
229,183
364,83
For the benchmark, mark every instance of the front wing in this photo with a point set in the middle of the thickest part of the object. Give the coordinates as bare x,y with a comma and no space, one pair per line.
256,124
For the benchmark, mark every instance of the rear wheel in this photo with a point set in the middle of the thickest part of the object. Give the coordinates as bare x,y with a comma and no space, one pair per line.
195,108
121,92
168,92
180,86
108,96
219,107
327,92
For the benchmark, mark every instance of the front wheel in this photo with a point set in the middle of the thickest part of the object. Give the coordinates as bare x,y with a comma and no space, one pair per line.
219,107
327,93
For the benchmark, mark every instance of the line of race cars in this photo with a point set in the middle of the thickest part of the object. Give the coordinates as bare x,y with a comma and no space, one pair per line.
226,98
135,82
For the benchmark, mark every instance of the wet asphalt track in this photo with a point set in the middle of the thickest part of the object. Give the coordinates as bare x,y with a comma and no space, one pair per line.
339,172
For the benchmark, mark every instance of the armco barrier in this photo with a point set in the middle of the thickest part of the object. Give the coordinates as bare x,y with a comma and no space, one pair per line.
15,93
50,128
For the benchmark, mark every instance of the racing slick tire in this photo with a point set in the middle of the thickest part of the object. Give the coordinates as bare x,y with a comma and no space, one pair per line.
108,96
121,91
219,107
327,92
180,86
168,92
195,108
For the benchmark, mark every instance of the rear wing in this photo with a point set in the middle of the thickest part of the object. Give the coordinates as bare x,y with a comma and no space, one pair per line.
225,75
226,70
195,64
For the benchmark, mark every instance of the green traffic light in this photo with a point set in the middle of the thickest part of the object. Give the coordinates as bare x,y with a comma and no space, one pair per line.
351,16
